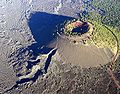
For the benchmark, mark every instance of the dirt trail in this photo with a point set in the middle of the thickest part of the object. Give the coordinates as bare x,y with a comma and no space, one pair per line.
113,61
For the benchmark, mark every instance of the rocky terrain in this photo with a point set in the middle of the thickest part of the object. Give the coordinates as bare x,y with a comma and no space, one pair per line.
30,59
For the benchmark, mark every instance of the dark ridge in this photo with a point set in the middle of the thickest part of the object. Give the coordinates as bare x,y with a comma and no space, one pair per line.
37,74
18,75
13,87
49,60
31,64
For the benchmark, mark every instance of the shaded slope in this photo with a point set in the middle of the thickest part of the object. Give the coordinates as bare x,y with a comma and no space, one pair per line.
44,28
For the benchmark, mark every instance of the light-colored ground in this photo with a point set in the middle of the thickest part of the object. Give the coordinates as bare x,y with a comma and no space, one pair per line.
7,76
79,54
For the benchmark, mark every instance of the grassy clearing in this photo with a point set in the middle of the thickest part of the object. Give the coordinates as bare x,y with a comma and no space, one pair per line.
103,38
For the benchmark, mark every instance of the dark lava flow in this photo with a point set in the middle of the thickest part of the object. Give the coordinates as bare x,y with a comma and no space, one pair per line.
44,28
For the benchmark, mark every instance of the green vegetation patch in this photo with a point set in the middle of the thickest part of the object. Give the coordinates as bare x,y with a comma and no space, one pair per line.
103,38
69,27
77,28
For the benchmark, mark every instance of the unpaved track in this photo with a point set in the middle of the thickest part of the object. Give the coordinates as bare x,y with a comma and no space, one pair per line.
15,36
